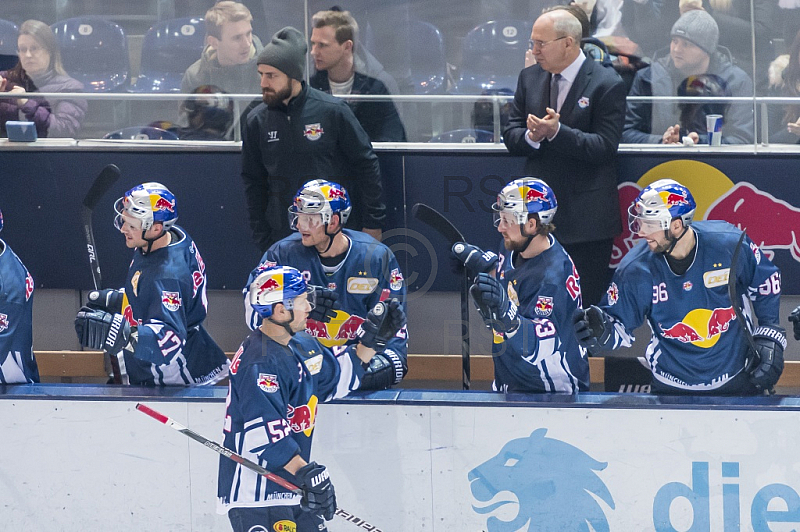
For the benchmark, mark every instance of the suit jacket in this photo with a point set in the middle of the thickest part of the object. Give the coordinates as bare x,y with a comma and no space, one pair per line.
580,162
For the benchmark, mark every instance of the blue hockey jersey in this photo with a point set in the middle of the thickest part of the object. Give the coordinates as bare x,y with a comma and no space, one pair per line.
368,274
542,355
272,401
165,297
17,364
696,343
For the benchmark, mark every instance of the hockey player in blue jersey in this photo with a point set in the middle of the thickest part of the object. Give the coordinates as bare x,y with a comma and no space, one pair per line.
278,377
17,364
156,321
530,307
677,280
348,265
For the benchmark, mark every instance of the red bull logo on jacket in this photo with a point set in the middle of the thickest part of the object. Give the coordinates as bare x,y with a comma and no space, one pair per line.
301,418
267,382
171,300
700,327
3,322
313,131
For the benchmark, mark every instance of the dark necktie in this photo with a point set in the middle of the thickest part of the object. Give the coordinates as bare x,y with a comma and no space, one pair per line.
554,91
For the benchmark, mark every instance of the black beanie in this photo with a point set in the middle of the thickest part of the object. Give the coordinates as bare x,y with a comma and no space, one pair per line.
286,51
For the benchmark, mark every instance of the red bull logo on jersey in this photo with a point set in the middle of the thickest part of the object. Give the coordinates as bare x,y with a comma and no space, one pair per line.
396,280
3,322
340,330
317,329
313,131
701,327
613,294
544,306
301,418
171,300
28,286
267,382
163,204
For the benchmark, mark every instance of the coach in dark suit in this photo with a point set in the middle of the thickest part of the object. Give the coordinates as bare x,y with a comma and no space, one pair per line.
567,118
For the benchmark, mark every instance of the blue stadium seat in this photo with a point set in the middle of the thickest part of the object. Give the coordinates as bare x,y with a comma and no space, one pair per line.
141,133
8,44
466,136
168,49
94,51
493,54
426,61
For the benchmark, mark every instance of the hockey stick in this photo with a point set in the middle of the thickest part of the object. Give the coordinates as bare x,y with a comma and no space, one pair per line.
104,180
444,227
239,459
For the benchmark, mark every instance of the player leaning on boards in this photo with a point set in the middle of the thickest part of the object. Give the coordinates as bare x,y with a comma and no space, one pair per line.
530,307
278,377
17,363
353,268
678,281
157,318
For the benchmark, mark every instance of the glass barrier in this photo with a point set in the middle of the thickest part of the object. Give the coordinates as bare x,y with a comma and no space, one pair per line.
450,69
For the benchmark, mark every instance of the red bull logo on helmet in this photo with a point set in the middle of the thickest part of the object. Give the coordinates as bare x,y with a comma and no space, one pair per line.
171,300
532,194
335,193
701,327
301,418
163,204
671,198
270,285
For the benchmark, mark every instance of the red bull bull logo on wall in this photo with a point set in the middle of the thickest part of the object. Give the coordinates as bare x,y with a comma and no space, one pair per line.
700,327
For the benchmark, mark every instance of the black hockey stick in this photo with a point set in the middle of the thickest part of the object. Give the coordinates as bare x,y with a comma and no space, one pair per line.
104,180
432,218
239,459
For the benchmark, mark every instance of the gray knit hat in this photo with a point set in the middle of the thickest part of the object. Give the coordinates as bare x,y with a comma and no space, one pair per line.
286,51
698,27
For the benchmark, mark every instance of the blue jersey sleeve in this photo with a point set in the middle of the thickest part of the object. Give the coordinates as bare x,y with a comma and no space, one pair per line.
760,280
162,336
627,301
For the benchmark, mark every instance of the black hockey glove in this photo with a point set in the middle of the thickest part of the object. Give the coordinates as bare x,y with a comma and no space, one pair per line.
593,327
318,495
109,300
382,323
474,258
794,317
326,304
385,369
770,342
98,329
497,311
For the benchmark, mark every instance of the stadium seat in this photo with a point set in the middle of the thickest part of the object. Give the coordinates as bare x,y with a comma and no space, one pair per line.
141,133
8,44
94,51
168,49
466,136
493,54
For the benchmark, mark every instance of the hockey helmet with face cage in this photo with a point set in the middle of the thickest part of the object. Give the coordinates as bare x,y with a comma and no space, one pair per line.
658,204
277,284
524,196
325,198
150,203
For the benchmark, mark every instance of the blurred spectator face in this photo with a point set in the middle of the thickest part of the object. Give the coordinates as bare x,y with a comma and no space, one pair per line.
233,47
32,55
326,50
687,56
275,85
549,49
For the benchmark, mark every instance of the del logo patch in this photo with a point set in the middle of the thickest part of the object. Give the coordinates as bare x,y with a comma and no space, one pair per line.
3,322
716,278
544,306
314,364
268,383
313,131
361,285
171,300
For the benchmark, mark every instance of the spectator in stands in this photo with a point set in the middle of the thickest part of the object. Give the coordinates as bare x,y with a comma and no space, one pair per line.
209,117
299,133
784,120
693,51
333,41
40,70
229,59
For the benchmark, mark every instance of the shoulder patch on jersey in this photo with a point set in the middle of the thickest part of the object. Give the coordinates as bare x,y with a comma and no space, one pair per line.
361,285
613,294
396,279
756,252
716,278
314,364
171,300
284,525
135,283
28,286
3,322
237,358
512,294
544,306
197,281
268,382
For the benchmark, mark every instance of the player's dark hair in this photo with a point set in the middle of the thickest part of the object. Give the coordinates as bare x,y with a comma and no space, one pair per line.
544,229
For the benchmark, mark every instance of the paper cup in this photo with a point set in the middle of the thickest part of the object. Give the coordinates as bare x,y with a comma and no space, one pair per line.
714,129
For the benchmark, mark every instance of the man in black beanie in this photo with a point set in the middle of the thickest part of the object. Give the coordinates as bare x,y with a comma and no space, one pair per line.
299,134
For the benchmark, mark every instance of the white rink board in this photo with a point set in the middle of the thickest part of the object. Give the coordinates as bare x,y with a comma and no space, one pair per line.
99,465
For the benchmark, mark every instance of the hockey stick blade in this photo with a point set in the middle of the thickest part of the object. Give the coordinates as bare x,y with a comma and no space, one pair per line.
433,218
107,177
224,451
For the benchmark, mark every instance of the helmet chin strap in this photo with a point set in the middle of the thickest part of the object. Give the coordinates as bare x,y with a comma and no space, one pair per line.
287,324
673,241
151,240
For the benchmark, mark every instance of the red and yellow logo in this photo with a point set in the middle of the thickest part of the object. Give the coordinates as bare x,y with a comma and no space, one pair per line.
701,327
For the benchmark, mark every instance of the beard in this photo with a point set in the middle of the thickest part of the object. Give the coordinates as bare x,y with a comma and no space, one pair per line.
273,98
516,245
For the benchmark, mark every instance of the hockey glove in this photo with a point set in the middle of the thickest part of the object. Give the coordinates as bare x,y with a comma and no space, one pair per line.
474,258
593,327
326,304
318,495
382,323
497,311
385,369
770,342
98,329
794,317
109,300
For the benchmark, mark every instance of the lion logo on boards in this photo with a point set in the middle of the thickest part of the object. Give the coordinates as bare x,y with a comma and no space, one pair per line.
716,278
544,476
361,285
285,525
